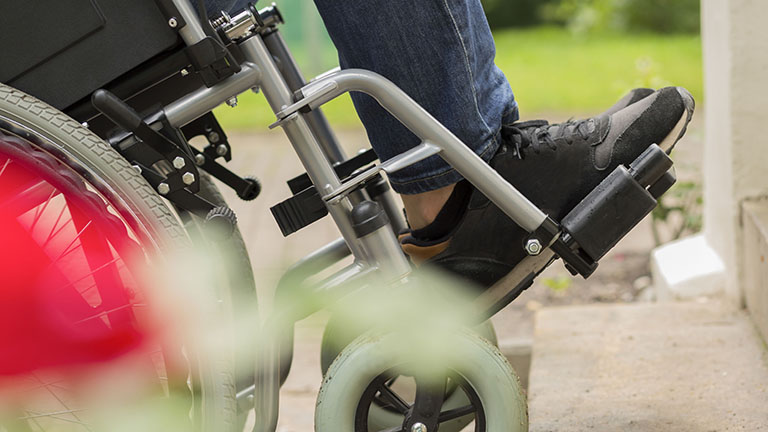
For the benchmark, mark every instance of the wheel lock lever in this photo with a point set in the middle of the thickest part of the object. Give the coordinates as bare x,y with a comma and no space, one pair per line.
151,147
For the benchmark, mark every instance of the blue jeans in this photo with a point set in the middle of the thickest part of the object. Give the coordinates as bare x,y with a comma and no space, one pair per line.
441,53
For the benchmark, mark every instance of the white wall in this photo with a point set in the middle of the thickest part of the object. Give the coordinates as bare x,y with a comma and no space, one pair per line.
735,40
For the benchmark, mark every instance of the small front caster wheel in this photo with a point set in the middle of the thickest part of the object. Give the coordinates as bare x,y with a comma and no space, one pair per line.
357,379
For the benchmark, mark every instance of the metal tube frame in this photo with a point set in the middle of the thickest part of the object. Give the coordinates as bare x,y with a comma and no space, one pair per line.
318,150
192,32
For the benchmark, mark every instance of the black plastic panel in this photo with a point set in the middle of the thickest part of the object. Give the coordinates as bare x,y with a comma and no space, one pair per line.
608,213
62,50
65,23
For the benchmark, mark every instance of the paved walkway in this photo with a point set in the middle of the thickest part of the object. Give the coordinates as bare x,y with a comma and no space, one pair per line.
648,367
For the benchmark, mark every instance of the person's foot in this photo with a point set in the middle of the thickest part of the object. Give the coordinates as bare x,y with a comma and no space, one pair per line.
634,95
555,166
422,208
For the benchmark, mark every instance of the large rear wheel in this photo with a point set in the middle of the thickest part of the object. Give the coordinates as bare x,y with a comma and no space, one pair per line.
81,227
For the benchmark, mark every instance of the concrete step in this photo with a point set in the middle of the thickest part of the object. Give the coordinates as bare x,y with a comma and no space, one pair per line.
647,367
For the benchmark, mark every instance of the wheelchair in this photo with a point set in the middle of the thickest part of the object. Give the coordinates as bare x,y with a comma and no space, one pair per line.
97,112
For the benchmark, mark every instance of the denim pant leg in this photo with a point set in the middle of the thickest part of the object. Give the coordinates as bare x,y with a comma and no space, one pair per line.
441,53
213,7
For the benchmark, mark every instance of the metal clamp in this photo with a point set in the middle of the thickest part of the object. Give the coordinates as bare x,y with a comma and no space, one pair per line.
416,154
309,97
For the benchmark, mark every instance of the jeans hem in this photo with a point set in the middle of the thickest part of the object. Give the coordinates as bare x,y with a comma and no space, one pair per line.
443,177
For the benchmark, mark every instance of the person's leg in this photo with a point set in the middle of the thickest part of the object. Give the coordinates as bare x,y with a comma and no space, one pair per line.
441,53
215,7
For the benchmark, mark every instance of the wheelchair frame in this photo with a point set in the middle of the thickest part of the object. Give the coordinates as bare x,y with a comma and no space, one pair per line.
367,231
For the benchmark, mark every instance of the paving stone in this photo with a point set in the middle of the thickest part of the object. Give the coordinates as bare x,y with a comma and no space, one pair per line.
647,367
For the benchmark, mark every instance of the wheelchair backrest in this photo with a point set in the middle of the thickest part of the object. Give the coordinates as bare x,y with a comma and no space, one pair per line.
62,50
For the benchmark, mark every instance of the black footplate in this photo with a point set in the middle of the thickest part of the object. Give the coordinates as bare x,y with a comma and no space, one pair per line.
306,206
619,203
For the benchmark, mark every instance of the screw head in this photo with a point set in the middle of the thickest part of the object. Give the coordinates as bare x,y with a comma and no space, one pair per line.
232,101
84,124
178,162
221,150
419,427
213,136
136,168
533,247
163,188
188,178
172,22
199,159
184,72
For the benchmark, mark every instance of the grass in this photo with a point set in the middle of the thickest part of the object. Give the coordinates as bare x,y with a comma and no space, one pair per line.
550,70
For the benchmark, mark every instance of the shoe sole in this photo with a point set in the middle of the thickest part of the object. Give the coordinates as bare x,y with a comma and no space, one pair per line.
668,143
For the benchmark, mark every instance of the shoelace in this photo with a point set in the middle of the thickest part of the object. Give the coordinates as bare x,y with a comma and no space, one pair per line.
537,133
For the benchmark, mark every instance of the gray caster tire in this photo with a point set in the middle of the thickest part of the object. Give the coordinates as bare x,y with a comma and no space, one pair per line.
337,335
486,379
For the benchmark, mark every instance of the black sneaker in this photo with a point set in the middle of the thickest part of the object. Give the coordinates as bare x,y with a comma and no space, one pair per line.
555,166
634,95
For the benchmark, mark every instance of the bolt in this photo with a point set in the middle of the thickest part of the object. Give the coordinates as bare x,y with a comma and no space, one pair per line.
221,149
232,101
213,136
84,124
533,247
184,72
188,178
199,159
178,162
163,188
137,168
418,427
172,22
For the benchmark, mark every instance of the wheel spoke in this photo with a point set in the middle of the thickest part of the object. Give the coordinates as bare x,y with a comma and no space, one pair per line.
41,209
66,407
55,224
35,414
77,236
107,312
455,413
19,199
393,399
5,165
394,429
82,278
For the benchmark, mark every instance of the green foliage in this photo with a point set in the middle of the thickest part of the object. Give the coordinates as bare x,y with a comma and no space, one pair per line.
662,16
557,284
658,16
679,212
582,16
517,13
553,74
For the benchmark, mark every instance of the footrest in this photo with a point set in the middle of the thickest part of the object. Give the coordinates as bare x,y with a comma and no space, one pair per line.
299,211
306,206
619,203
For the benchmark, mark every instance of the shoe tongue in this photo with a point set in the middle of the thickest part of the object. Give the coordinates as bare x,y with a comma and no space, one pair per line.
449,216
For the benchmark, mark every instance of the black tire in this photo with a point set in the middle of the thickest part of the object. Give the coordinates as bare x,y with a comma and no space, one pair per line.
158,230
242,286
